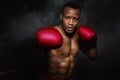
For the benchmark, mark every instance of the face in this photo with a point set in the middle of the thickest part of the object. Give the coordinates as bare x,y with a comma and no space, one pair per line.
70,19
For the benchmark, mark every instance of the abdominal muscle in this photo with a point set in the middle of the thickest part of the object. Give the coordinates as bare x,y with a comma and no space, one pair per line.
61,66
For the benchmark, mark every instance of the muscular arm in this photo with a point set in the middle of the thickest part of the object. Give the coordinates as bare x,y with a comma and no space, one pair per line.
88,41
47,38
89,48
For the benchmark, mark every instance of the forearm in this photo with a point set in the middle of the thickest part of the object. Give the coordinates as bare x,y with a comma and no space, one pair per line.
89,49
92,53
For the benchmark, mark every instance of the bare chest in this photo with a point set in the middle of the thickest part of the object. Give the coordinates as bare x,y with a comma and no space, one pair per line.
69,47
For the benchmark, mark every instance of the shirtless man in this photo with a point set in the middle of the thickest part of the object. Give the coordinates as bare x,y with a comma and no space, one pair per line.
62,43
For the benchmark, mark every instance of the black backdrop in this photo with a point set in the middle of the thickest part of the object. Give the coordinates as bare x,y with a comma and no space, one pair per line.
20,19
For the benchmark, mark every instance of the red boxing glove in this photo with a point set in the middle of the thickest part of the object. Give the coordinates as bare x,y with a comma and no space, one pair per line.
49,37
86,33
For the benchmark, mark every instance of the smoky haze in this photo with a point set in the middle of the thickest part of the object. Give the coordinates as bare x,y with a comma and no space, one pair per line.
21,19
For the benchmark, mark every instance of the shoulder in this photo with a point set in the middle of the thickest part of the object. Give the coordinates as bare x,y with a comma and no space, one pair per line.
57,27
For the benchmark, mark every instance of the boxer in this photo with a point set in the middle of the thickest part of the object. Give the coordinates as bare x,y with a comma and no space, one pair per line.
64,41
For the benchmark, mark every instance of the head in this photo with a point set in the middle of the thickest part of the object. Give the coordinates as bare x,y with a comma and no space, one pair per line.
70,17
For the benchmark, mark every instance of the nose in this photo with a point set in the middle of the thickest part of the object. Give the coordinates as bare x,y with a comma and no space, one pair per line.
70,22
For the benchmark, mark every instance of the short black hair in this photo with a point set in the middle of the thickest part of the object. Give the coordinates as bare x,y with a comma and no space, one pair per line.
71,5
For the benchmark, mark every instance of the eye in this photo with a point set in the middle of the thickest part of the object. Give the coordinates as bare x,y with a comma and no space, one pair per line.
67,17
75,19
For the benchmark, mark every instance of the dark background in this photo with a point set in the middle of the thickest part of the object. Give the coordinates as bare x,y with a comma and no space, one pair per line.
20,19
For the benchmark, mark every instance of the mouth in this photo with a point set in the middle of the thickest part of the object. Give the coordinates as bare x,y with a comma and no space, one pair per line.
70,28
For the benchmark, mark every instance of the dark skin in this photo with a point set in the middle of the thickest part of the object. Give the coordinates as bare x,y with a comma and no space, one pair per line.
61,61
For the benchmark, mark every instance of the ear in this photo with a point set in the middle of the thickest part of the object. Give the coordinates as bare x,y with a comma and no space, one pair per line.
60,16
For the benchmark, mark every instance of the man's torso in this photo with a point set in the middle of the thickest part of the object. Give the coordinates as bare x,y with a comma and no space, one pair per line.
61,61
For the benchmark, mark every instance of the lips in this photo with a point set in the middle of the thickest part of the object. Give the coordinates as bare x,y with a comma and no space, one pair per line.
70,28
